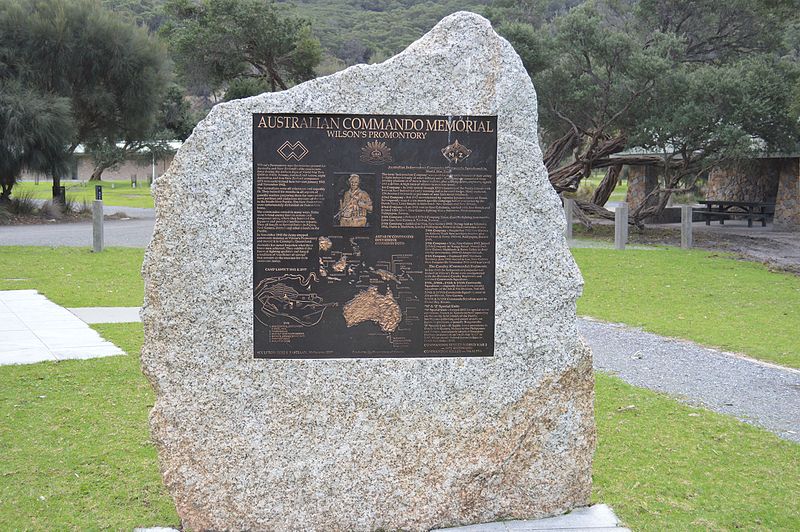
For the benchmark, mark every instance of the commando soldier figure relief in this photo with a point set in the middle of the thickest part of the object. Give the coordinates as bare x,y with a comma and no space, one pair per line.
354,205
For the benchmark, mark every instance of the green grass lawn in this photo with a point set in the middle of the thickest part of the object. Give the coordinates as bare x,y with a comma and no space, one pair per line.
75,446
698,295
76,454
665,466
121,195
75,277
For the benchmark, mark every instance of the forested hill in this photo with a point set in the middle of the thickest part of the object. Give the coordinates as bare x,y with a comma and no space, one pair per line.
357,31
350,31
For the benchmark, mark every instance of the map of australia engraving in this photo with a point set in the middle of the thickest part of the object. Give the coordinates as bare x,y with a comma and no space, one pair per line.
357,282
371,282
370,305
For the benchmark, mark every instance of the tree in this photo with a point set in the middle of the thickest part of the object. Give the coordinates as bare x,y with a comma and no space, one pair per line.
219,42
175,120
34,129
111,71
690,83
353,52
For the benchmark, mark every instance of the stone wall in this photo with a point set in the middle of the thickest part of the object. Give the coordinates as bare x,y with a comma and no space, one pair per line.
642,180
787,203
142,168
750,181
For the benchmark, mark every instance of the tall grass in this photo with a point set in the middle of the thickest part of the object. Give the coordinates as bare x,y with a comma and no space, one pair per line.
22,203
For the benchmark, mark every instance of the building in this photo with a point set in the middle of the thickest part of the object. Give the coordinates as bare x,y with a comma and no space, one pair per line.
767,179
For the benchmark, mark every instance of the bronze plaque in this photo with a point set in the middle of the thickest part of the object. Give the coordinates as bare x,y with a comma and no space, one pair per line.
373,235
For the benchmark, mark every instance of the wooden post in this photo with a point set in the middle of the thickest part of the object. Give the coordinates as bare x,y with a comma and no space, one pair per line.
568,213
97,220
686,226
621,226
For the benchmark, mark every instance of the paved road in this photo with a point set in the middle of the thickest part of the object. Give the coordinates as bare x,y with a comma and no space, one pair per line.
134,232
755,392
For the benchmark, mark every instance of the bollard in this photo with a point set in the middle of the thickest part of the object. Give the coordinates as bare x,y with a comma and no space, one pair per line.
568,212
621,226
686,226
97,220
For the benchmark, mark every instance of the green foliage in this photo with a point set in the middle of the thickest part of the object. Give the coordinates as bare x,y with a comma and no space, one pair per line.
711,299
146,13
215,42
697,82
533,46
244,88
360,31
21,204
111,72
34,128
175,119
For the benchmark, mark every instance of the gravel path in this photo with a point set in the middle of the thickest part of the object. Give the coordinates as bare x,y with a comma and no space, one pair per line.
755,392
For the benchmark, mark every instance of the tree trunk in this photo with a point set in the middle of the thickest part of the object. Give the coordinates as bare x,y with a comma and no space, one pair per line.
567,177
56,187
581,216
607,185
97,174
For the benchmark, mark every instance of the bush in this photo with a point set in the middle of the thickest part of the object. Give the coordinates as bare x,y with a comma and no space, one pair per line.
70,204
21,204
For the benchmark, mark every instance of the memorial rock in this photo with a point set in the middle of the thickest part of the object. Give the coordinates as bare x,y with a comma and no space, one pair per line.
420,437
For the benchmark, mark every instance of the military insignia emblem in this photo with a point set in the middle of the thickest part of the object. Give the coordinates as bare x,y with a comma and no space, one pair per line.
292,150
376,153
456,152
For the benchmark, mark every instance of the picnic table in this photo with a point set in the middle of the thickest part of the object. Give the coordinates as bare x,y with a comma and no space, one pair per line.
749,210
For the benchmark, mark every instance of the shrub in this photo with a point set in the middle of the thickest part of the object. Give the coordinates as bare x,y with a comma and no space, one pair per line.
21,204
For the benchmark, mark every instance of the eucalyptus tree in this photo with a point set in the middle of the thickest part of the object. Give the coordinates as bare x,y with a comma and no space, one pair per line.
112,73
34,128
689,83
239,44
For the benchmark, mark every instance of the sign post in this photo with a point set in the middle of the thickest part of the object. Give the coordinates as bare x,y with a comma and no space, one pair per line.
97,219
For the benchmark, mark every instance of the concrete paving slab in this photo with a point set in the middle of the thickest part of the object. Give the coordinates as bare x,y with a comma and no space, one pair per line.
29,355
107,314
593,518
10,322
34,329
597,518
